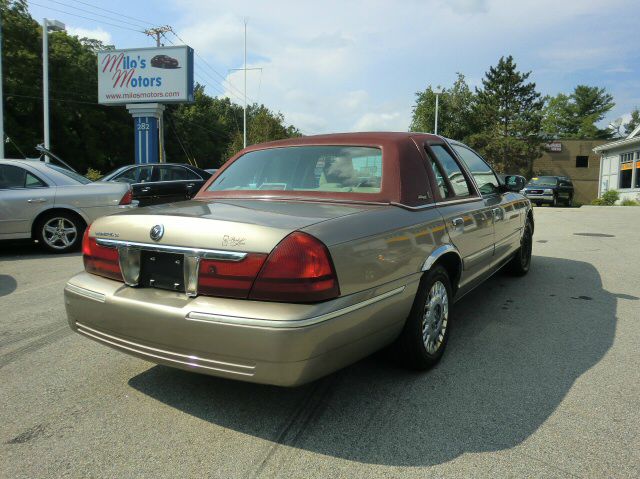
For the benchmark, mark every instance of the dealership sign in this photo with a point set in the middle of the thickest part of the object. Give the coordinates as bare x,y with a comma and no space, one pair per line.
145,75
554,146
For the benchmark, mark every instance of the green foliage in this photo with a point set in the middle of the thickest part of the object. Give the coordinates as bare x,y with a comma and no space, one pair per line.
576,115
510,110
93,175
633,123
608,198
455,118
88,135
629,202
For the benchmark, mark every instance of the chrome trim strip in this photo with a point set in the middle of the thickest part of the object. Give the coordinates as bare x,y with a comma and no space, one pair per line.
116,342
458,201
204,253
288,324
435,255
414,208
87,293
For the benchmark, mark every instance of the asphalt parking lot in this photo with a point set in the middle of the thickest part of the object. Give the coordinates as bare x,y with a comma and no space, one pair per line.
541,379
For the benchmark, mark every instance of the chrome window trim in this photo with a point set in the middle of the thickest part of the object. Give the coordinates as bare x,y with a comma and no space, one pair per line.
288,324
202,252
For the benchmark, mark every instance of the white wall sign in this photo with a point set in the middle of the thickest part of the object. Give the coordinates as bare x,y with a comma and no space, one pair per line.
144,75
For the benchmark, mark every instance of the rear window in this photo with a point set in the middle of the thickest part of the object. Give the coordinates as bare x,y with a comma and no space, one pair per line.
339,169
70,174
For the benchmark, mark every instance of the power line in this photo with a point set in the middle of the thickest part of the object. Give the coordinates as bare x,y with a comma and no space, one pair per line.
138,25
83,16
224,79
111,11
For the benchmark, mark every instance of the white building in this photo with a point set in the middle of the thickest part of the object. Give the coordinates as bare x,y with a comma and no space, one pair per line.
620,166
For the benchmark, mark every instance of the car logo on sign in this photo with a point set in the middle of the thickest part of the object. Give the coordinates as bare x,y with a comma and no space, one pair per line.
156,232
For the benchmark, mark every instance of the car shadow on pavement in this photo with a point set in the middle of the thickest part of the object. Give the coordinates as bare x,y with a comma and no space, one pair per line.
19,250
8,284
517,347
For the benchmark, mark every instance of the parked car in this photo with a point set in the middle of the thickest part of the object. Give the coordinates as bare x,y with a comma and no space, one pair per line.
302,256
160,183
52,204
551,190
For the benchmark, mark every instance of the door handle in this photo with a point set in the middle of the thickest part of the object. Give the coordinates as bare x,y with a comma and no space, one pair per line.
36,200
457,222
190,185
146,189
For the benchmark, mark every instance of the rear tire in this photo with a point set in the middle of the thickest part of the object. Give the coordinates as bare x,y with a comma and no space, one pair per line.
60,232
426,332
521,261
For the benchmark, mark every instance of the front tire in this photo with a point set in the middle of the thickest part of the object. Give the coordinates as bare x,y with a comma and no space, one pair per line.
555,201
426,332
60,232
521,261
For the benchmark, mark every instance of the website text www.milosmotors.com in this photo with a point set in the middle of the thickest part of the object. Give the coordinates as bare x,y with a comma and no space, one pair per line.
126,96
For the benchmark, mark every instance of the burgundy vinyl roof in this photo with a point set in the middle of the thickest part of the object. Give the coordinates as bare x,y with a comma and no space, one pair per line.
404,176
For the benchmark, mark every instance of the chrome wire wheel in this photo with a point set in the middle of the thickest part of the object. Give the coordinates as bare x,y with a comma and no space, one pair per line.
435,317
59,233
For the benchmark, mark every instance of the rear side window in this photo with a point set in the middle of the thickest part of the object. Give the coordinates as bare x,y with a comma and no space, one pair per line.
339,169
482,173
16,177
176,173
449,177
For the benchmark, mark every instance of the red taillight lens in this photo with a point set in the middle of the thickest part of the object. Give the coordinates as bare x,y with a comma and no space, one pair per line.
231,279
127,198
298,270
99,259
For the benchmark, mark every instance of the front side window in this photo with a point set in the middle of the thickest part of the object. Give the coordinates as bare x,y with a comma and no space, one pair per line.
482,173
446,168
339,169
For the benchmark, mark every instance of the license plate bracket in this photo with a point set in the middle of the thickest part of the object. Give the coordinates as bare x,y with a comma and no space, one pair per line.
162,270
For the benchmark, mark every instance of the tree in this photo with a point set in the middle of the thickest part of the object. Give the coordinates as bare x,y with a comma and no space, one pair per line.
454,110
89,135
633,123
509,110
576,115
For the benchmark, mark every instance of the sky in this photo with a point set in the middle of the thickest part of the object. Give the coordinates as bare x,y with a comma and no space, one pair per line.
346,65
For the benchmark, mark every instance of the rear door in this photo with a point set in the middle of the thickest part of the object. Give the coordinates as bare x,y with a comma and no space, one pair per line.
468,216
23,195
507,216
176,183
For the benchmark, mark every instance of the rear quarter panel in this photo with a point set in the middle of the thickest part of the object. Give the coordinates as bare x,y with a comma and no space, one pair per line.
381,246
91,201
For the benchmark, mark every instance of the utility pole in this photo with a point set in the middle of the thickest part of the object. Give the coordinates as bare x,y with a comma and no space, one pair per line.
1,99
245,69
156,33
438,92
55,26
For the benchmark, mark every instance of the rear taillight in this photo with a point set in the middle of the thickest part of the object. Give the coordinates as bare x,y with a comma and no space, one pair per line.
99,259
232,279
298,270
127,198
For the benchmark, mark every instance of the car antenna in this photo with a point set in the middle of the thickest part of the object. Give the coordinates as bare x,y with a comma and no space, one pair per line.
16,146
44,151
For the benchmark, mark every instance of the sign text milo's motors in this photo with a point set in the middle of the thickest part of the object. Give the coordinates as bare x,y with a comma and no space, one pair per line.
146,75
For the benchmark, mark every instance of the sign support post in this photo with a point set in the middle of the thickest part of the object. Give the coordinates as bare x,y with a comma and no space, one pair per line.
146,124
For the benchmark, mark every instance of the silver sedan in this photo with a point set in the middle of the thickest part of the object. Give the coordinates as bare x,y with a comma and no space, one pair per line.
53,205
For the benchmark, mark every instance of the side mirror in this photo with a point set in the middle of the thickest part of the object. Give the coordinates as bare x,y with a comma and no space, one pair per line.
514,183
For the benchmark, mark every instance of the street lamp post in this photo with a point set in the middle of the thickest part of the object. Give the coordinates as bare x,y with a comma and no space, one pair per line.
54,26
438,92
